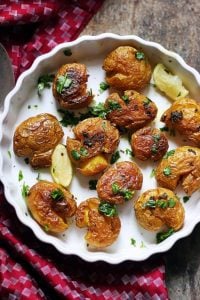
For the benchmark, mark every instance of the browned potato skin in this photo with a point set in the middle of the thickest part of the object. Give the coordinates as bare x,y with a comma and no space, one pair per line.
184,116
124,71
47,211
145,146
95,135
153,219
185,167
36,138
76,95
126,175
102,230
132,115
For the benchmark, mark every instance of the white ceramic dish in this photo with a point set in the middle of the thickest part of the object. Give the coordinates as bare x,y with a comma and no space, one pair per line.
91,51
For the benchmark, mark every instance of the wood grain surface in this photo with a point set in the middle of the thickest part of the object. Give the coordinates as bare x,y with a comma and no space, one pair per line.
176,25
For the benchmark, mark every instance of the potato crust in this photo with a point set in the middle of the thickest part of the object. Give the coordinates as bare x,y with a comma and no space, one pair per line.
102,230
153,219
75,94
36,138
94,137
184,116
133,113
50,213
125,69
183,165
149,143
125,176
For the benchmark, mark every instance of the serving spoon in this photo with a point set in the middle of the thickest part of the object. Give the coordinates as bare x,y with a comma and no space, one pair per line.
7,80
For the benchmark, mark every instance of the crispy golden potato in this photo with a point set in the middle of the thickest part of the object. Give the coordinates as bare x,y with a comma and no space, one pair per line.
36,138
182,164
127,68
184,116
158,207
119,182
70,86
131,111
149,143
93,137
102,230
93,165
51,205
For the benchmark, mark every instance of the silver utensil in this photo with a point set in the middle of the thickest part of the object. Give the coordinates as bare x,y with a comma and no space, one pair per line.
7,80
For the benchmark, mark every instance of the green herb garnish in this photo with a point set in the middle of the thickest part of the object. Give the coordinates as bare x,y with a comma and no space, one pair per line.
115,157
133,242
46,227
113,105
57,194
109,210
67,52
25,190
154,149
103,87
129,152
93,184
125,193
142,245
161,236
26,160
44,82
139,55
186,198
162,203
62,83
171,203
125,98
167,171
98,110
83,151
9,153
169,153
38,176
156,138
69,118
147,101
20,175
115,188
153,173
165,128
75,154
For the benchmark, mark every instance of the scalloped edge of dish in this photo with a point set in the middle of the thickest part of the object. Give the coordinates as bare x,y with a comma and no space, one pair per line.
106,257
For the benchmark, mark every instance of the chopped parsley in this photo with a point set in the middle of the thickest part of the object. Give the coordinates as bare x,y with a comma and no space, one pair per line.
115,157
93,184
103,87
125,193
25,190
146,102
126,99
20,175
69,118
83,151
9,153
156,138
142,245
57,194
167,171
62,83
129,152
46,227
165,128
162,203
75,154
133,242
38,176
113,105
98,110
186,198
161,236
139,55
153,173
108,209
67,52
169,153
44,82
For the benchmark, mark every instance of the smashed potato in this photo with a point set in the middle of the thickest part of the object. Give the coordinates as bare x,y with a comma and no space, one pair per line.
70,86
168,83
158,207
131,111
127,68
119,182
184,116
36,138
51,205
94,137
181,164
103,230
149,143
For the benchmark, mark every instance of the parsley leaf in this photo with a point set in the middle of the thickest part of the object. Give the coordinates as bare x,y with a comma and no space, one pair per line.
25,190
133,242
20,175
103,87
167,171
93,184
57,194
44,82
63,82
115,157
139,55
109,210
161,236
169,153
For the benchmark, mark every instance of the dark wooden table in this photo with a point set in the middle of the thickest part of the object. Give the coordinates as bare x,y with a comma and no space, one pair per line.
176,25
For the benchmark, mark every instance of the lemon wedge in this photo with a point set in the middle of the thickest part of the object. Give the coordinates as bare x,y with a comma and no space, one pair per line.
61,167
168,83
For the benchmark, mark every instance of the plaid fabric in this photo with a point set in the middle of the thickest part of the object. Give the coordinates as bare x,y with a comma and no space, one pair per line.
30,269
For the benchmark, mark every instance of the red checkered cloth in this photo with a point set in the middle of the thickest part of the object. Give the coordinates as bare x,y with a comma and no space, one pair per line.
30,269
